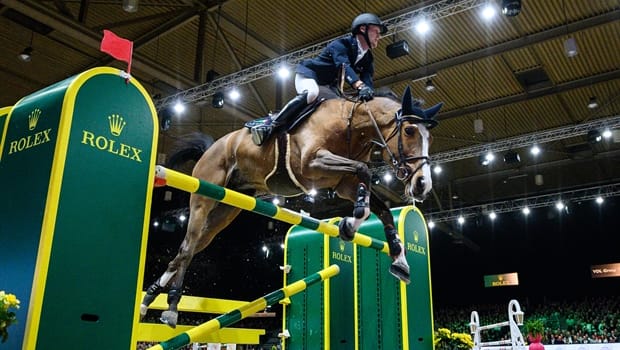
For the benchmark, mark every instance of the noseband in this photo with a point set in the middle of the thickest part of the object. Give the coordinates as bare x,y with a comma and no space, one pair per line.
401,169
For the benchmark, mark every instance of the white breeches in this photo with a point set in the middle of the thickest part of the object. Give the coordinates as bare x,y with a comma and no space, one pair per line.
307,84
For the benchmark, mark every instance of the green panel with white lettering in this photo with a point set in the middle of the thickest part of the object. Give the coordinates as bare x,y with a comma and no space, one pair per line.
419,292
95,259
25,163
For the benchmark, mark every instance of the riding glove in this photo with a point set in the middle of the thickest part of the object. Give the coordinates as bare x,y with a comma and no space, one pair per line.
365,93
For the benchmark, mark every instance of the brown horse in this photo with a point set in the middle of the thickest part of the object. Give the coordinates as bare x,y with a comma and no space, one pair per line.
329,150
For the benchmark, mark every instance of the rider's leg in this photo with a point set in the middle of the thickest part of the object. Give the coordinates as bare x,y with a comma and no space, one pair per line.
307,90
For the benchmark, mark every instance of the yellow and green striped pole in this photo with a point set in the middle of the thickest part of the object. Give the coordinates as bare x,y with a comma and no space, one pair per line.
192,184
246,310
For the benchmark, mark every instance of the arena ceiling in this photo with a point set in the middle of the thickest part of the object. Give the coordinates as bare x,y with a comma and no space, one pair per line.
511,73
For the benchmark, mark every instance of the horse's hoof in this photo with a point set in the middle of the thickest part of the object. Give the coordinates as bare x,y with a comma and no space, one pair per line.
169,318
345,230
143,309
400,269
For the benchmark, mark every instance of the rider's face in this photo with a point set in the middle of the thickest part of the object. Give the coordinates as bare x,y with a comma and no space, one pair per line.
374,34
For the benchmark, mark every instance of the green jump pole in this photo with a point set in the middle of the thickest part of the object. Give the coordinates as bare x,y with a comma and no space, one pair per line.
246,310
191,184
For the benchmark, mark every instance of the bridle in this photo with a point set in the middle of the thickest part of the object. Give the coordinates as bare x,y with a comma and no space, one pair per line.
402,170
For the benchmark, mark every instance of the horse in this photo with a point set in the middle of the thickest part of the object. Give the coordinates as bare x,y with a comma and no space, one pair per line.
328,150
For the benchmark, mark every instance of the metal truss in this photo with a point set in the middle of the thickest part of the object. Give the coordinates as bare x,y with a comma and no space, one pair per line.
434,12
527,140
530,202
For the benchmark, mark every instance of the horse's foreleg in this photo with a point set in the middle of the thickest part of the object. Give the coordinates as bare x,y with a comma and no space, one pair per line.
400,267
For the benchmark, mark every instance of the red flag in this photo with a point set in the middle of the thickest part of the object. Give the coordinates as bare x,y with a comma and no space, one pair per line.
117,47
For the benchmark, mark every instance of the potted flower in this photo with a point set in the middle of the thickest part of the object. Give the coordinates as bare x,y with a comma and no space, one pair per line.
535,328
447,340
7,318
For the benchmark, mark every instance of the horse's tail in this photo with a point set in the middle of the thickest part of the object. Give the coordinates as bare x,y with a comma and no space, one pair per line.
189,148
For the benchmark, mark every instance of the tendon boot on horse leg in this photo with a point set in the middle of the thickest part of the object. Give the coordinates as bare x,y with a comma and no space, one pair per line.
261,133
153,291
361,211
171,315
399,267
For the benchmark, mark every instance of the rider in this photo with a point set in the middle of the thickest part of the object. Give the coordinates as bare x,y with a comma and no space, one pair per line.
353,52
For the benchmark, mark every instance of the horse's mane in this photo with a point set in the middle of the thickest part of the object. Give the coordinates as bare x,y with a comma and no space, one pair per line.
387,92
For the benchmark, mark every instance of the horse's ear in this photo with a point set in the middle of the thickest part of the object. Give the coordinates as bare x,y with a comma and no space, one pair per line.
430,112
407,104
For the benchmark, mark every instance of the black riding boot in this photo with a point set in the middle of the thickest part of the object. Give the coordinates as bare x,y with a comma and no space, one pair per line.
260,133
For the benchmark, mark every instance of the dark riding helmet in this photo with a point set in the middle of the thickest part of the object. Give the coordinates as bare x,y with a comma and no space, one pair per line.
366,19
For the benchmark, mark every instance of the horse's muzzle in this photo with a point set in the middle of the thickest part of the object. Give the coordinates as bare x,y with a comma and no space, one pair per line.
419,187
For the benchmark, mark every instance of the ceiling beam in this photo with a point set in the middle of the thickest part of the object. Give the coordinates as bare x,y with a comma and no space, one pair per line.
500,48
574,84
86,36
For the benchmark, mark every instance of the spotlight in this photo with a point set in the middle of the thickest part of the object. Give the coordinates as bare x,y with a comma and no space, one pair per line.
486,158
594,136
430,87
218,100
437,169
535,150
525,211
130,5
511,157
592,103
26,55
599,200
431,224
570,47
607,134
397,49
511,8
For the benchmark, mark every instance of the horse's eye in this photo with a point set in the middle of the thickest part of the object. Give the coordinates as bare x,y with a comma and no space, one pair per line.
410,130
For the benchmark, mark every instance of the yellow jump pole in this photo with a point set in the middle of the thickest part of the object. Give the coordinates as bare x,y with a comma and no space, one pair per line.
246,310
192,184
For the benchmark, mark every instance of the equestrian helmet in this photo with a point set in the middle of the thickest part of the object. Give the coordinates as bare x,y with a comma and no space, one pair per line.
366,19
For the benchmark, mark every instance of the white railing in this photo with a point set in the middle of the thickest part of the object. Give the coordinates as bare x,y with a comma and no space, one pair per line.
515,319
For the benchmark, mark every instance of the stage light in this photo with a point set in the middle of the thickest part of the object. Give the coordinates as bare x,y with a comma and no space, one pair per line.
218,100
461,220
488,12
422,27
486,158
283,72
526,211
594,136
511,8
570,47
535,150
234,94
26,55
130,5
592,103
431,224
437,169
492,215
430,87
511,157
397,49
559,205
607,134
387,177
179,107
599,200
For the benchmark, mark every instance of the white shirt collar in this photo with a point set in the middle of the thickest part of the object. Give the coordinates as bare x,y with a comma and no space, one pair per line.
360,51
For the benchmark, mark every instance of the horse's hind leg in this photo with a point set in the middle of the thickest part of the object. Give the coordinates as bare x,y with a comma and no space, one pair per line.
204,224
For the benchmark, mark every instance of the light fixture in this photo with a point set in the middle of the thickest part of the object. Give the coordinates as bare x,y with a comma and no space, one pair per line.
234,94
397,49
26,55
511,8
535,150
594,136
461,220
179,107
486,158
283,72
570,47
218,100
607,134
437,169
431,224
422,27
526,211
492,215
488,11
599,200
511,157
429,86
592,102
130,5
559,205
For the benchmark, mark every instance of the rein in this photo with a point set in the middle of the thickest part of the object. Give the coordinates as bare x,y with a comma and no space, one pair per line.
401,169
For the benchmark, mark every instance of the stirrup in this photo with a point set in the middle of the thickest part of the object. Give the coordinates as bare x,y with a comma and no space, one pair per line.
260,133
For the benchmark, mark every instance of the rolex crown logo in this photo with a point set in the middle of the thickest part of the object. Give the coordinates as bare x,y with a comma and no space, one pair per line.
33,118
416,236
116,124
341,245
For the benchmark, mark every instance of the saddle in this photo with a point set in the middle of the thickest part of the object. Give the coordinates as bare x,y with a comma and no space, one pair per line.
325,93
